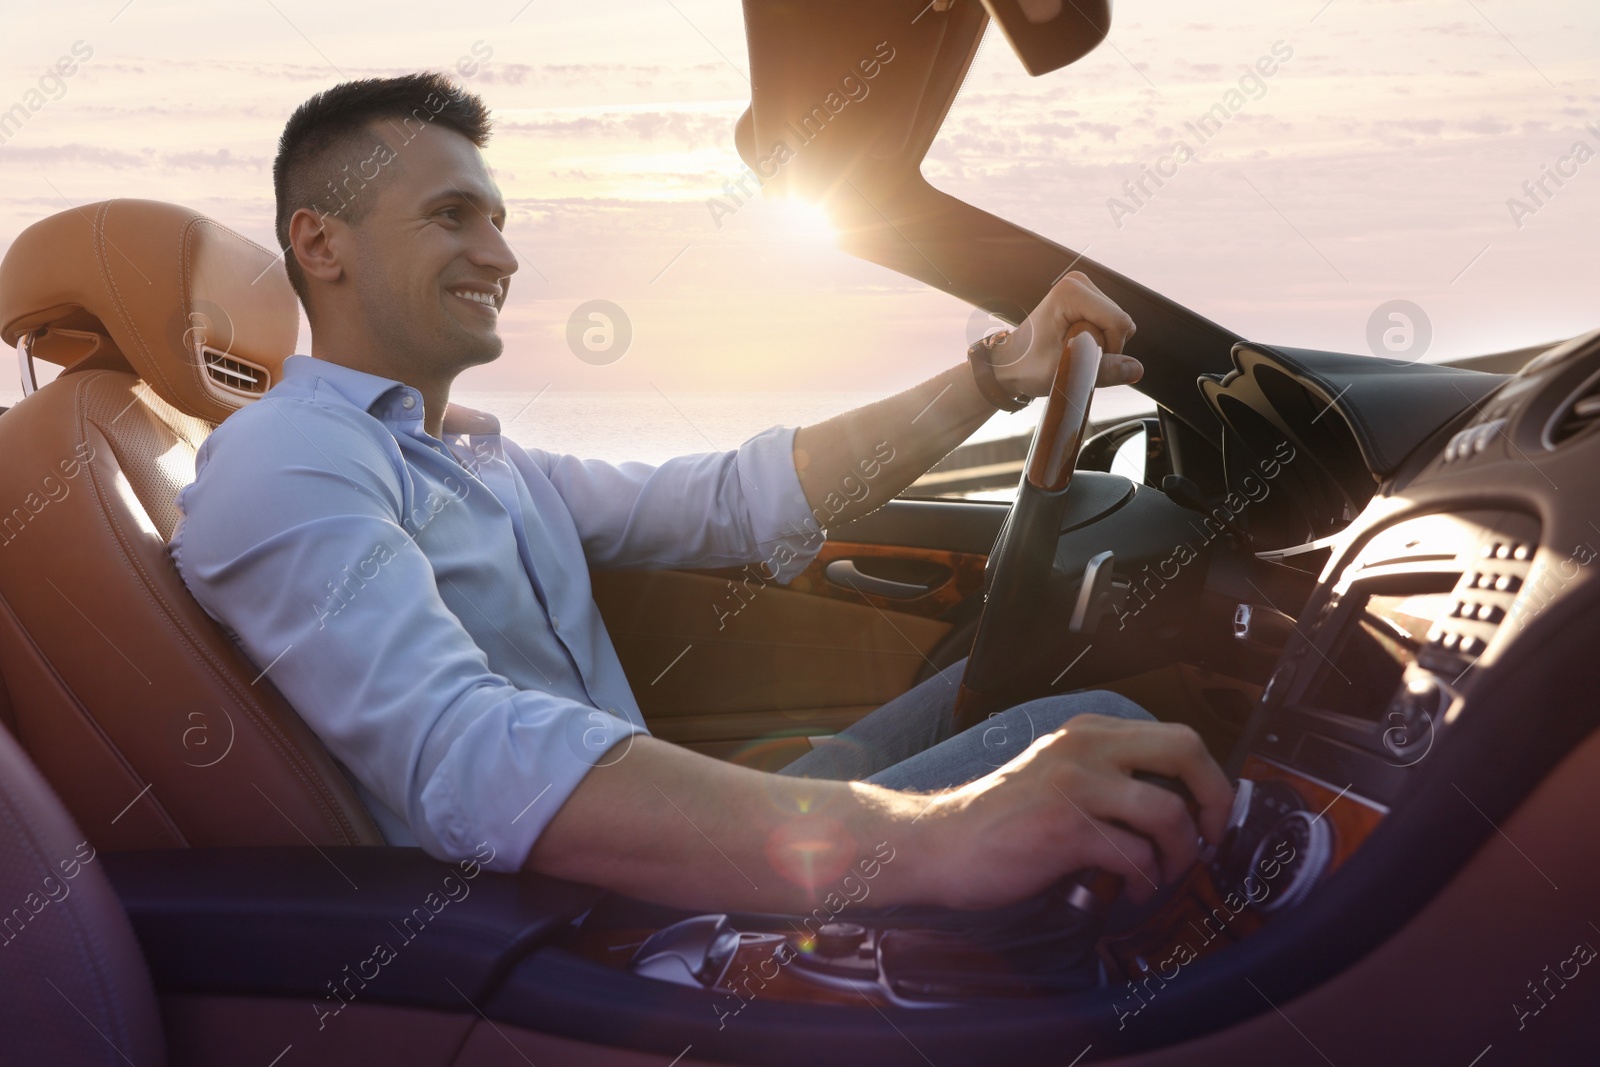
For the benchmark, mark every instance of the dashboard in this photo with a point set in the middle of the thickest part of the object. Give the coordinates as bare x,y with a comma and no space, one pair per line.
1461,559
1423,691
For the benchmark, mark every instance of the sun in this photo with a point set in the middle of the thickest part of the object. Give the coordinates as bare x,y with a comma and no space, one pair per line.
804,219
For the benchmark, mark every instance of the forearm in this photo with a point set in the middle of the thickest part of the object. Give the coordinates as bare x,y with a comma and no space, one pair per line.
920,425
670,825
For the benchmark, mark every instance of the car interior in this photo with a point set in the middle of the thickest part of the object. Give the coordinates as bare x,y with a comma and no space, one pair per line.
1365,582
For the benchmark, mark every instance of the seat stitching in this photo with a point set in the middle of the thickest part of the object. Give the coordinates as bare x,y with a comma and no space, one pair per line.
108,279
316,789
111,749
191,645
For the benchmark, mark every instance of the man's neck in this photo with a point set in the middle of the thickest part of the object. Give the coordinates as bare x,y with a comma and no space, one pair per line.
435,387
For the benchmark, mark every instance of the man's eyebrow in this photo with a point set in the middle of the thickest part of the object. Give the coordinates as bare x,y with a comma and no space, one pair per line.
492,208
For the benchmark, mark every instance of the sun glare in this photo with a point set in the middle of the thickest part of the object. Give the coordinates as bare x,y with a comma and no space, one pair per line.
805,220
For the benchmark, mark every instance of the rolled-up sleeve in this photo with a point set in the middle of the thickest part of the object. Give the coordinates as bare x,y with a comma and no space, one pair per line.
712,509
306,559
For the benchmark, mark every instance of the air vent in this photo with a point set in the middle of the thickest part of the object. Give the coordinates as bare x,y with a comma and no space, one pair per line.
1576,414
235,374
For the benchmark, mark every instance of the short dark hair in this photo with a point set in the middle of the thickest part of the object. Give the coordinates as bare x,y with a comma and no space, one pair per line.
328,135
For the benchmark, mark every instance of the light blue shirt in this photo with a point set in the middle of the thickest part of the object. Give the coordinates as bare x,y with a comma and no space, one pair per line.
425,604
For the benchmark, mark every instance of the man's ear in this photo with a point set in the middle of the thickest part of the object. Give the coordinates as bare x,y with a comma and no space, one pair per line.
314,240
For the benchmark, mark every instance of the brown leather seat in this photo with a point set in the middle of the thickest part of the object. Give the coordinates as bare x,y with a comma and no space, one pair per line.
152,726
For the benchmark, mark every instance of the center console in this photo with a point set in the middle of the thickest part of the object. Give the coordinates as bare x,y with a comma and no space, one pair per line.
1371,680
1385,745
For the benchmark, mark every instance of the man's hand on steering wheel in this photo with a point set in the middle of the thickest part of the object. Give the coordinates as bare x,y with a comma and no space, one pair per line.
1025,363
1071,801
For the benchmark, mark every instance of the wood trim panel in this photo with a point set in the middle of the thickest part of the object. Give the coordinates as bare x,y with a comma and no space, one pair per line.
1352,820
1196,921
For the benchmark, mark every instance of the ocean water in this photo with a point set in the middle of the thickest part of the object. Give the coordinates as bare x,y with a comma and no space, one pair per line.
653,426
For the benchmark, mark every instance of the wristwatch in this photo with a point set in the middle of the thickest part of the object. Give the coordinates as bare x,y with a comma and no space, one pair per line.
981,356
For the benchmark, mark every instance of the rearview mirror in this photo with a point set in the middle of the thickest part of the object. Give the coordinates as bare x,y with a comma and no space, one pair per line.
1049,34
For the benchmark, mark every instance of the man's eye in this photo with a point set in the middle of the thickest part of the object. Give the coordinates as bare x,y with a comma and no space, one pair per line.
452,213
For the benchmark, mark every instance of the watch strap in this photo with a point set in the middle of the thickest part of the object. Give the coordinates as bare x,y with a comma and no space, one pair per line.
981,356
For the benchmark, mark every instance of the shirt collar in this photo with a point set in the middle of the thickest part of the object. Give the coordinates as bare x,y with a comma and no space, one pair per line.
366,391
358,387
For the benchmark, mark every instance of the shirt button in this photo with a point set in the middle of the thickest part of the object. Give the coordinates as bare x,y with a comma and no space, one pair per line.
408,402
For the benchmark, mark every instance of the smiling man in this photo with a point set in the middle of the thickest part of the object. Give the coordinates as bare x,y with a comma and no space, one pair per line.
418,586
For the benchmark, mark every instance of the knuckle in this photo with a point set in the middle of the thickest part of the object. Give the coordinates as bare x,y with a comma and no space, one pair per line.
1188,737
1078,735
1172,811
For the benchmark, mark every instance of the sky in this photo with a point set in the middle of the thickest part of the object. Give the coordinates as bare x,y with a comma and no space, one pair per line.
1376,163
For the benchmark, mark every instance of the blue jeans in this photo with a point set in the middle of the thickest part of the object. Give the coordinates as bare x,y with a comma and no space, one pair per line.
910,743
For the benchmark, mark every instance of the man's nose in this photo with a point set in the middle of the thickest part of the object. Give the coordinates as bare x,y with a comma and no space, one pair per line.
494,252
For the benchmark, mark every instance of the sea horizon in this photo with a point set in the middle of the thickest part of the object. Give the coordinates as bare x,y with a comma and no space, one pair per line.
651,426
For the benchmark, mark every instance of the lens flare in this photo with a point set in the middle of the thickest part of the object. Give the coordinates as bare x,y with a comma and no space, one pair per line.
805,220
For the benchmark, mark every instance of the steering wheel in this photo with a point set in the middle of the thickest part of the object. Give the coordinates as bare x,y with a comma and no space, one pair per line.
1019,566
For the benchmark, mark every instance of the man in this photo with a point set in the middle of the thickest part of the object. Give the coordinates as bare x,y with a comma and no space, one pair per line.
417,586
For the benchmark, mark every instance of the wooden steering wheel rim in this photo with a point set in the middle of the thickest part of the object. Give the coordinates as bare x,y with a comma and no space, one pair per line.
1054,451
1047,474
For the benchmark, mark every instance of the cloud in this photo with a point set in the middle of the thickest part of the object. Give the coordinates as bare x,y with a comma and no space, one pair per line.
82,155
221,159
691,127
505,74
76,154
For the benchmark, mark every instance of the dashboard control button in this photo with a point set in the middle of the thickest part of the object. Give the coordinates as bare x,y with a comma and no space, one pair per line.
1309,841
1521,552
1471,646
1502,552
1508,583
1488,551
1459,446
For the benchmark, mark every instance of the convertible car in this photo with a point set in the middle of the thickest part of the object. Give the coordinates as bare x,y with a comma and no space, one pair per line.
1365,582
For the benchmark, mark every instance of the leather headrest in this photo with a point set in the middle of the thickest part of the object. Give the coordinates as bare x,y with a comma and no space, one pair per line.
206,317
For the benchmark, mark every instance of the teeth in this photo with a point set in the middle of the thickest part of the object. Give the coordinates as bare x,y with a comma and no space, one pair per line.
482,298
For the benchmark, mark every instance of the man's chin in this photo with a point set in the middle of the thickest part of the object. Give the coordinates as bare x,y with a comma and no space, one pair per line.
474,350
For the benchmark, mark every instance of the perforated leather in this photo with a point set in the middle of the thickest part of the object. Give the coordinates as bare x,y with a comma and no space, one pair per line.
154,443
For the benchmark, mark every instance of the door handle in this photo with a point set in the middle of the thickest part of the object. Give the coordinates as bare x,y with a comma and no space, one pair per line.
845,572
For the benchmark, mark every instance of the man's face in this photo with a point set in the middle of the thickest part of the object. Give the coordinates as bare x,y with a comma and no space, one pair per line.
430,268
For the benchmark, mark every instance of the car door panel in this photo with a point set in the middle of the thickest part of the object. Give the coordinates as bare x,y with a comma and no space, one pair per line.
745,669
